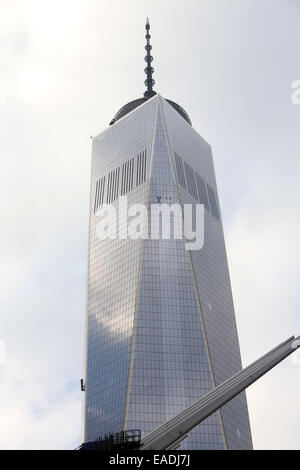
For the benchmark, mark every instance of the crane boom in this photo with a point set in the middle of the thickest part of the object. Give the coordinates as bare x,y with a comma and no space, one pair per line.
169,435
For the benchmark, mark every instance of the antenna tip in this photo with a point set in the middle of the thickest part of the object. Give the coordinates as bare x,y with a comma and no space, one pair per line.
147,21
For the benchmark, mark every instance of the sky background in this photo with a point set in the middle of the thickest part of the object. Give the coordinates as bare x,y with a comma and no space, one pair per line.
66,67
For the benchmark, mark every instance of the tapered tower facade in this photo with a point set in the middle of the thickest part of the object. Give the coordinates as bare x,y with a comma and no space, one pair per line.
161,329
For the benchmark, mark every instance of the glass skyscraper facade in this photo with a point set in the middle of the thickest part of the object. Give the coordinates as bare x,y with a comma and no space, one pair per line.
161,329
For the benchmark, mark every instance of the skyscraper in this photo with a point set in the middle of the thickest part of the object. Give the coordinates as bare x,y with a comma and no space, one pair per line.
161,329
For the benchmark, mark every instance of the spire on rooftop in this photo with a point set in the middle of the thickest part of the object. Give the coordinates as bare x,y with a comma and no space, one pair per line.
149,82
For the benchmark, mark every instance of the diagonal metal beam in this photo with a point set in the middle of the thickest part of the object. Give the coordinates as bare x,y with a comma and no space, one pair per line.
170,434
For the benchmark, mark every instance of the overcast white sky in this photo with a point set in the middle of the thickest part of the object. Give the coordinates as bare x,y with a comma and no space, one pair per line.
66,67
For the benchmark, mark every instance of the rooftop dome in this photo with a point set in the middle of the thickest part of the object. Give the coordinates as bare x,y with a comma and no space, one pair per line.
135,103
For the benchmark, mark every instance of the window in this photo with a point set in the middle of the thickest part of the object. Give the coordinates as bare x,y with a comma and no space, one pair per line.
190,177
141,168
213,202
99,193
180,170
202,191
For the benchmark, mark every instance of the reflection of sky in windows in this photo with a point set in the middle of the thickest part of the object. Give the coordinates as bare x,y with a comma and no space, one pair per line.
168,359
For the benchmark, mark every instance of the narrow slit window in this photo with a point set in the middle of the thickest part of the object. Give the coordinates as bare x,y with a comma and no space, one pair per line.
123,179
137,169
127,174
180,170
112,186
96,197
202,191
112,192
117,183
190,177
108,189
102,191
131,174
213,202
145,166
